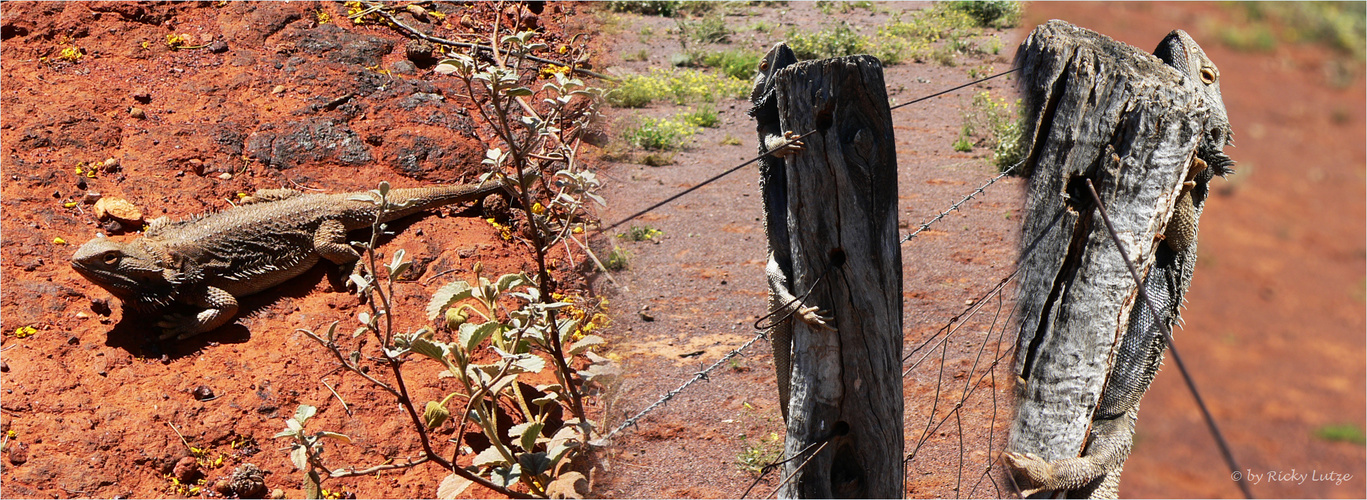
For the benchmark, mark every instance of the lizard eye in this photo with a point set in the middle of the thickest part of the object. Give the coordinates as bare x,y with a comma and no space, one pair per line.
110,258
763,65
1208,75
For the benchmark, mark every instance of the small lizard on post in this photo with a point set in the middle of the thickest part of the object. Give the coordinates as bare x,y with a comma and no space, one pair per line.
776,144
207,262
1096,474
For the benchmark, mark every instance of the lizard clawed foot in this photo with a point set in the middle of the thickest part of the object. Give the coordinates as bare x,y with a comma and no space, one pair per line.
179,326
812,316
792,146
1033,472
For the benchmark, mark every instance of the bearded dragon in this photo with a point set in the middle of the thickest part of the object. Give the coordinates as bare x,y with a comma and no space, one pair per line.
775,145
209,261
1096,473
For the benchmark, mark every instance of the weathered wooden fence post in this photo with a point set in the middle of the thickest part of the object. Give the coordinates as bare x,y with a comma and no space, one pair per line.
1110,113
846,396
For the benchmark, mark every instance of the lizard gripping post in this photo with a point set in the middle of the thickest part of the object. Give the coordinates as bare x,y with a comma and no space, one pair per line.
207,262
776,144
1139,351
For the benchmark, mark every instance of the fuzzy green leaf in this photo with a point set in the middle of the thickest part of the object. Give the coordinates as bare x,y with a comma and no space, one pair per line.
445,296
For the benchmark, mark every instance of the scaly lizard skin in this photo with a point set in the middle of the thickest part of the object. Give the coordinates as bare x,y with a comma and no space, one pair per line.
776,145
1096,474
208,261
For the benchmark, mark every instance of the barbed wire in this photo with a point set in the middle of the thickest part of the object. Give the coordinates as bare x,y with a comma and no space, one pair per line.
670,395
970,196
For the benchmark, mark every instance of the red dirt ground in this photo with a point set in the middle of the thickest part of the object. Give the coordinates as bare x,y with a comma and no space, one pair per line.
1274,328
1282,251
89,396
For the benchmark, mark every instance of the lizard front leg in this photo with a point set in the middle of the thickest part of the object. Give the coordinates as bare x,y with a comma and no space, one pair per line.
1095,474
330,242
783,145
785,305
218,305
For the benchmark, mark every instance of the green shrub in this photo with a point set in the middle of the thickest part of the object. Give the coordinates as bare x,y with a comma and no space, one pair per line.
989,14
705,117
680,86
838,41
736,63
662,134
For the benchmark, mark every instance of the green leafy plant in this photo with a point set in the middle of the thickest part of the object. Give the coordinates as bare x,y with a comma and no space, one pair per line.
306,450
520,323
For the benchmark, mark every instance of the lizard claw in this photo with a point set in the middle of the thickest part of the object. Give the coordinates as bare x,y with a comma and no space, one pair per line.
178,326
1029,468
792,146
812,316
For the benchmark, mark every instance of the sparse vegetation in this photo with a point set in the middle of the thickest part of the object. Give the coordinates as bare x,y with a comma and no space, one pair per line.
760,452
659,134
681,86
1344,433
836,41
705,116
994,123
641,233
618,259
710,29
736,63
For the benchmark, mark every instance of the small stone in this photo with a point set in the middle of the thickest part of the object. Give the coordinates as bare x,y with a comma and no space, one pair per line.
4,366
403,67
18,453
218,46
82,315
91,197
142,96
203,393
225,176
186,470
137,113
101,366
645,314
223,487
279,89
467,22
73,340
417,11
530,21
110,164
112,226
117,208
277,494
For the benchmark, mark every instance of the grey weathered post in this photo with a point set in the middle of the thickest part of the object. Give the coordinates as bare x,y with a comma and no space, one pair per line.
842,220
1101,110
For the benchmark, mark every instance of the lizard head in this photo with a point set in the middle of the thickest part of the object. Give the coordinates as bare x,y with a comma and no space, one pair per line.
1180,51
778,57
127,270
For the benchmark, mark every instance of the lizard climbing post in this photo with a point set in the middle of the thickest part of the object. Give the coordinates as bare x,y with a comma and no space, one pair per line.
834,272
1148,131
